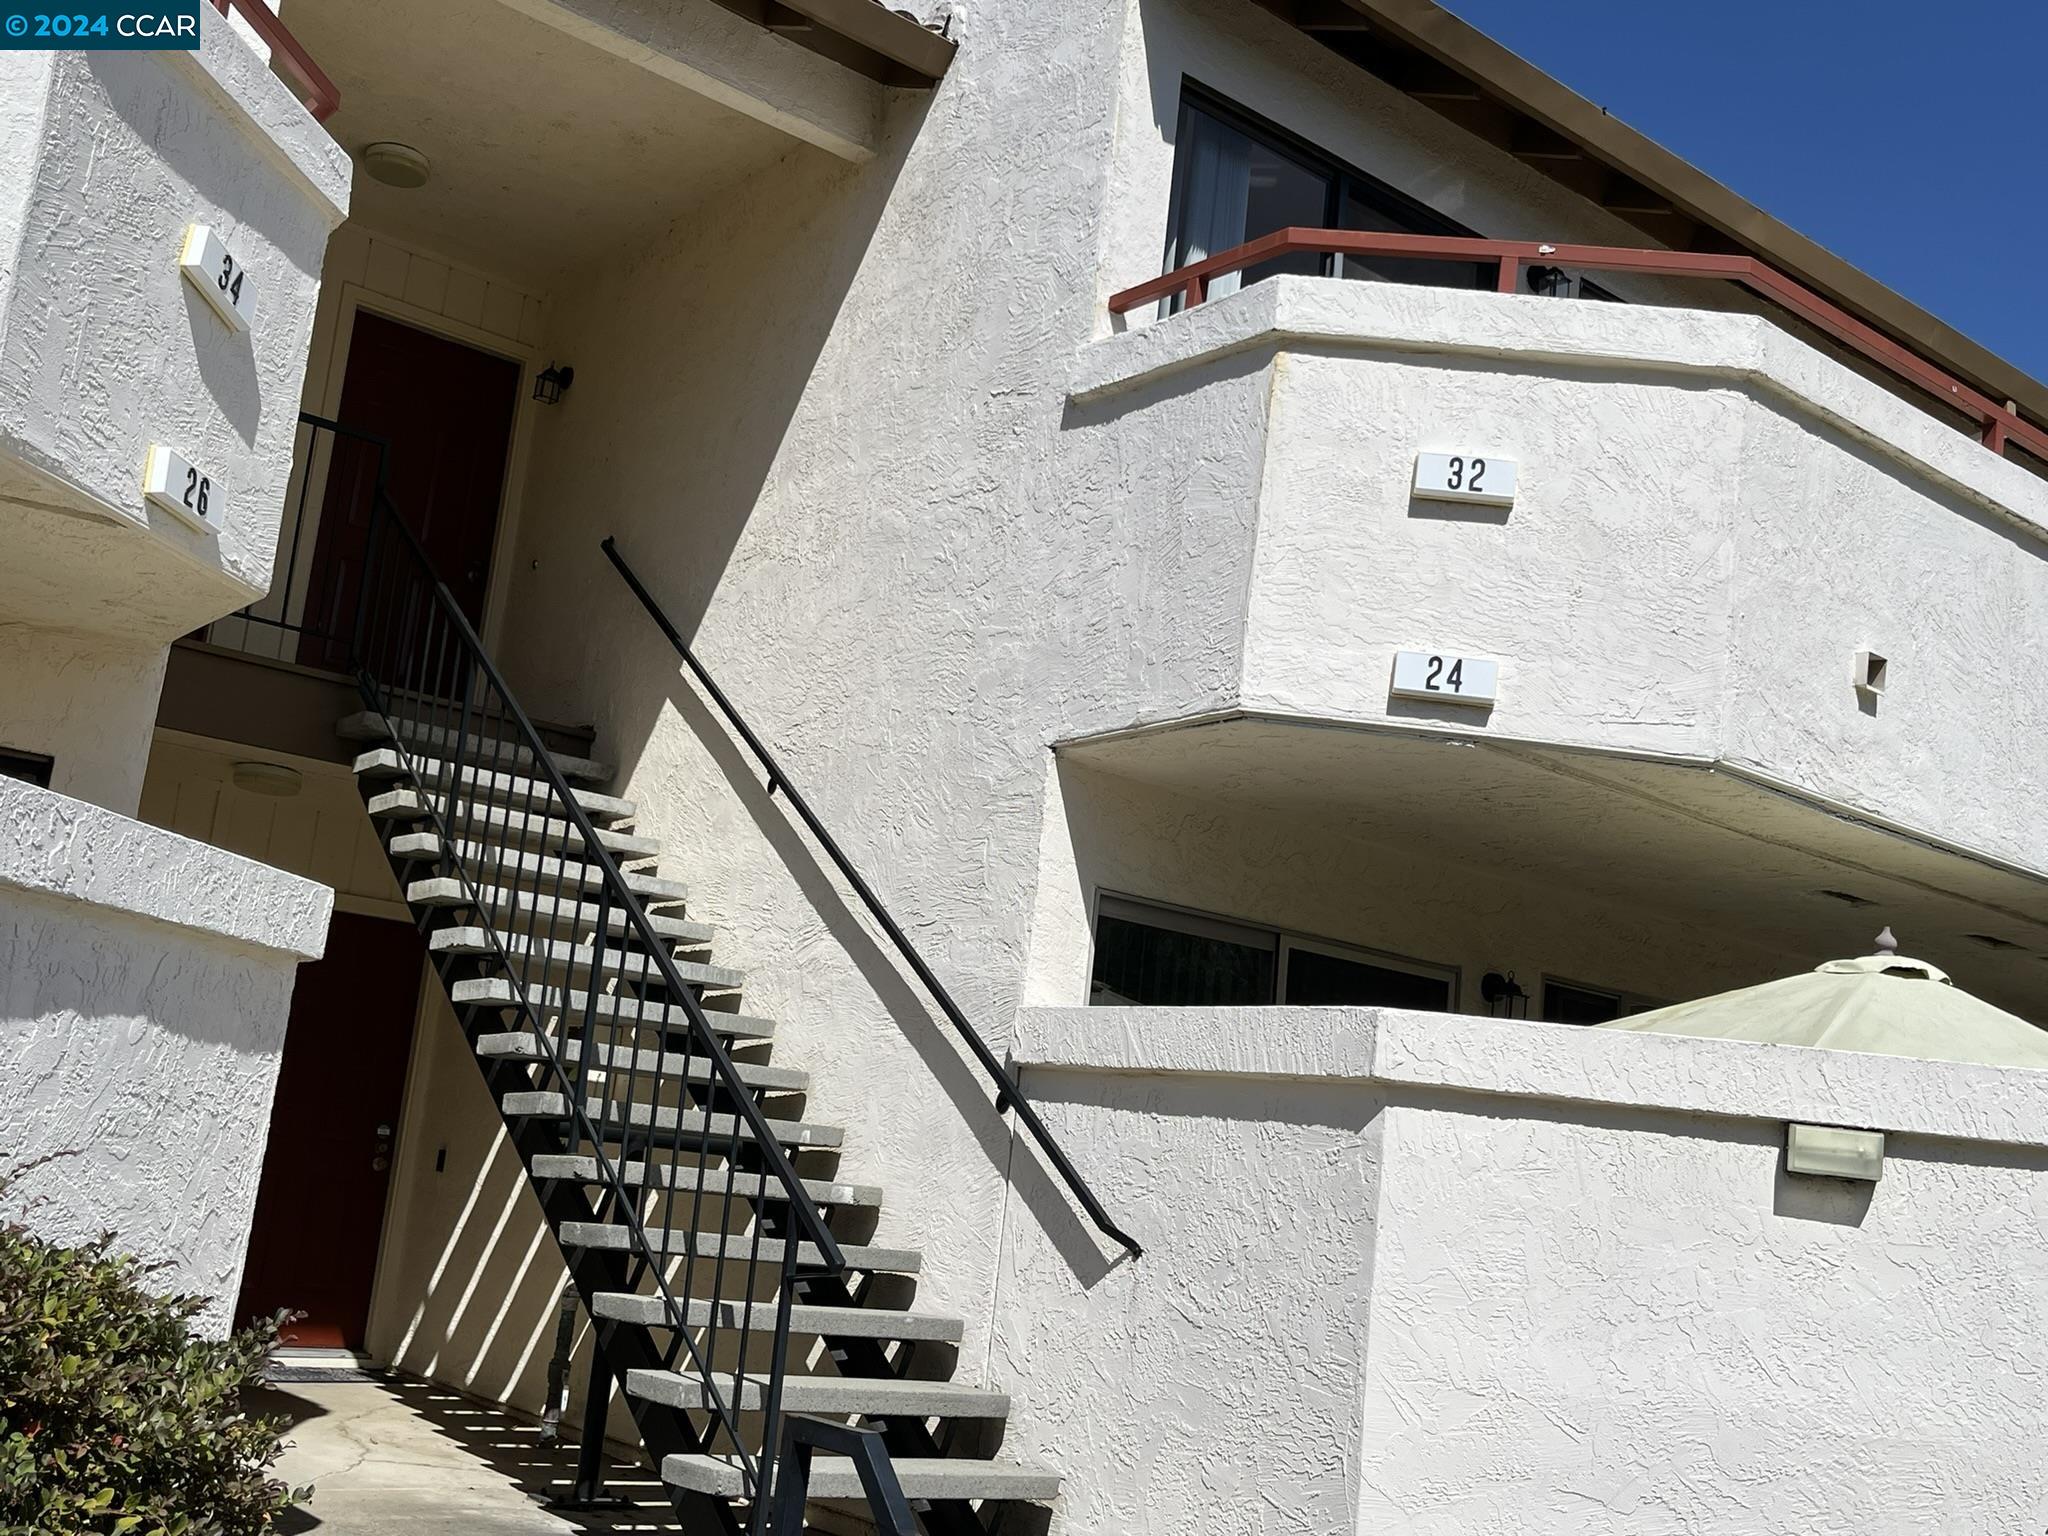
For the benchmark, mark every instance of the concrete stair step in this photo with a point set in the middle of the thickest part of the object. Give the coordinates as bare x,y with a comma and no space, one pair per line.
870,1397
508,907
429,729
482,779
921,1477
627,1012
676,1243
670,1066
550,833
713,1181
664,1121
619,962
522,867
823,1322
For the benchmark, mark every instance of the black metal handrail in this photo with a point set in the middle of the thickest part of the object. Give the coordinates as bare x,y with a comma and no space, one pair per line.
1008,1094
297,619
420,665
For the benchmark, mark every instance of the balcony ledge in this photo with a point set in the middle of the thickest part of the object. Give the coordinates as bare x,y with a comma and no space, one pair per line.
52,845
1743,351
1520,1059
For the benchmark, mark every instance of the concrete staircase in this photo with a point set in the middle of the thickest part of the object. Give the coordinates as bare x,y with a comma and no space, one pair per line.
545,973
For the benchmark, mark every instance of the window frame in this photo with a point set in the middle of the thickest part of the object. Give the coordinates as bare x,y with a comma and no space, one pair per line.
1237,930
34,768
1283,140
1627,1004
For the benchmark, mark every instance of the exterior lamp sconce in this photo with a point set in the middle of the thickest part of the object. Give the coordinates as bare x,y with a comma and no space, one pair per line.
1833,1152
1504,997
551,381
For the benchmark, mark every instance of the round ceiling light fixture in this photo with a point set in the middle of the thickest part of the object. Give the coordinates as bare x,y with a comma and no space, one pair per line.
395,164
267,779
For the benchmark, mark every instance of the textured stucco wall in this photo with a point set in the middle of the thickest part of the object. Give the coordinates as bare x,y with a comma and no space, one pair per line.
105,158
1542,1289
1711,519
144,985
910,558
868,434
84,701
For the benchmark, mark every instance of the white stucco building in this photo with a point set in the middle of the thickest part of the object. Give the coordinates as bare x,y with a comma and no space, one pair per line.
1281,704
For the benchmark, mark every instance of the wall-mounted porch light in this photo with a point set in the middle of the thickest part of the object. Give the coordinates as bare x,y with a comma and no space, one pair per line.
1834,1152
549,383
1504,996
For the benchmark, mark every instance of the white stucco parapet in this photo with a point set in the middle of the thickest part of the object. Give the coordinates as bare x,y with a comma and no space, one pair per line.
52,845
243,84
1558,1062
1292,312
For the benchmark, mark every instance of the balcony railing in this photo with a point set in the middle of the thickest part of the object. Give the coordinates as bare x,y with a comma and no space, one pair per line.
289,57
337,476
1997,425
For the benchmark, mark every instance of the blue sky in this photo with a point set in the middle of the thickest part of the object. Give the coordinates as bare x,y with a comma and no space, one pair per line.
1904,140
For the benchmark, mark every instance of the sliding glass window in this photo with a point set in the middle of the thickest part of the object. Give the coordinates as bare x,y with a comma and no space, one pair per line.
1237,177
1162,957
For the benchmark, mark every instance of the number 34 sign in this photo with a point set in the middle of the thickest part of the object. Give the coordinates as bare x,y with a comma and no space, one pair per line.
211,267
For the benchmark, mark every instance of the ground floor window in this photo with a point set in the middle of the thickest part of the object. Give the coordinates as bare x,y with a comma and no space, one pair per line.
1567,1002
1155,956
30,767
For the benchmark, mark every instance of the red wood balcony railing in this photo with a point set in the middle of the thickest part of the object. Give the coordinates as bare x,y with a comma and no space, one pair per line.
1996,425
320,94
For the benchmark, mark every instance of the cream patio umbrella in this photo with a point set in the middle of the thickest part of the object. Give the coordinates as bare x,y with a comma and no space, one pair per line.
1884,1003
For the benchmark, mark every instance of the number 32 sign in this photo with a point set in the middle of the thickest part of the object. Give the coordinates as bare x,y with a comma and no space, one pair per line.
1485,478
1446,679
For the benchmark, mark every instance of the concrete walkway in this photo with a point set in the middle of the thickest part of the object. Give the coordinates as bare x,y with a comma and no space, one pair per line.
403,1455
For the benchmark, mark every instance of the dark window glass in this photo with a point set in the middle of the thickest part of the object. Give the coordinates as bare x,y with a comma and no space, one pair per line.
1564,1004
1236,178
1369,207
1165,967
1314,977
1234,186
29,767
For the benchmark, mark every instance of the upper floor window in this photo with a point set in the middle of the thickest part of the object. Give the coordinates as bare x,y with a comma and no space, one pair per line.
1237,177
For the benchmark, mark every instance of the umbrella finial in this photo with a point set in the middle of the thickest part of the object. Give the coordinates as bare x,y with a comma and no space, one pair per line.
1886,943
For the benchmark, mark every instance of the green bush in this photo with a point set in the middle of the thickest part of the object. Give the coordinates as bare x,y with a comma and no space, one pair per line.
114,1418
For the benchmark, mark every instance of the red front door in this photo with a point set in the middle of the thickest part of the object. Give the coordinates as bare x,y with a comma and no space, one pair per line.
446,412
333,1133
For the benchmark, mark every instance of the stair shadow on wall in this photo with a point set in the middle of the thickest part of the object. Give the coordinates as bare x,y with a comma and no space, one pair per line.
1012,1156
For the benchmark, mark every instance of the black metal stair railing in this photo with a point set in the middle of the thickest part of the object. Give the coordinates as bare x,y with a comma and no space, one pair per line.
646,1104
1008,1094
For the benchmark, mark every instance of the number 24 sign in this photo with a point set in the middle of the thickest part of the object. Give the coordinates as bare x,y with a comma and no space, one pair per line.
1446,679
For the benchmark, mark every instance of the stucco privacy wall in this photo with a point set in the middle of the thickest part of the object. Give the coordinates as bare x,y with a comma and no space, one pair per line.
827,420
1563,1286
84,701
105,349
144,983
